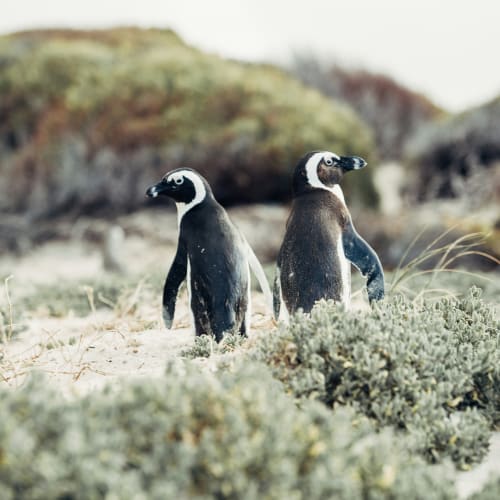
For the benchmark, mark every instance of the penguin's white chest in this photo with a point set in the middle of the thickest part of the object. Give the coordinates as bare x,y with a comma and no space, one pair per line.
345,274
188,284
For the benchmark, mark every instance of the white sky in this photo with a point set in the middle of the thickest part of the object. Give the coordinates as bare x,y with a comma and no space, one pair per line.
449,49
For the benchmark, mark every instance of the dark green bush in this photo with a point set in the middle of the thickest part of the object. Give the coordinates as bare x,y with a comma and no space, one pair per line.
432,370
194,434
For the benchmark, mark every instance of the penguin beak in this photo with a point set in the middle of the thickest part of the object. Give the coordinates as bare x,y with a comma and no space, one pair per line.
154,191
352,163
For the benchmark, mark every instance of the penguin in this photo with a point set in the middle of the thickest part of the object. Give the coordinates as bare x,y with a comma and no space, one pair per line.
320,242
212,256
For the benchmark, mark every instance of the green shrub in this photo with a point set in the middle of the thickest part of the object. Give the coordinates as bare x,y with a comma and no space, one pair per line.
205,345
432,369
96,117
194,434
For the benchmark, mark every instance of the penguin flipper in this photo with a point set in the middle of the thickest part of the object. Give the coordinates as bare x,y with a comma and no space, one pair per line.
277,294
364,258
259,273
176,275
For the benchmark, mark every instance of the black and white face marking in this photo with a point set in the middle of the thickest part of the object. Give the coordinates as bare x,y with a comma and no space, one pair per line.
184,186
325,169
313,165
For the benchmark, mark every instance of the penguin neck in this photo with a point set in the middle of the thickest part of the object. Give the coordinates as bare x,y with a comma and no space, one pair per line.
200,194
336,190
184,208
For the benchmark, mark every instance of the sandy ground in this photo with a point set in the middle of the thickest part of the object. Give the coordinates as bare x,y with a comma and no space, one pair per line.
82,354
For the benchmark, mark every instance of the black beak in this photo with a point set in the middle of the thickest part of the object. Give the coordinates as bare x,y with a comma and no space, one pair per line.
352,163
154,191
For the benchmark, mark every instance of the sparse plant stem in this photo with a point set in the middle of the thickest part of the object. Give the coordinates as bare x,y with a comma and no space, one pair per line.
7,337
89,291
465,245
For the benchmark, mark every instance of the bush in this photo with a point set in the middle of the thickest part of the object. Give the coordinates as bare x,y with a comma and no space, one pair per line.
205,345
195,434
431,370
458,157
393,111
91,118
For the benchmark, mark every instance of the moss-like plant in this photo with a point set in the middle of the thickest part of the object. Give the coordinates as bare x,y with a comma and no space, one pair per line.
432,369
205,345
193,434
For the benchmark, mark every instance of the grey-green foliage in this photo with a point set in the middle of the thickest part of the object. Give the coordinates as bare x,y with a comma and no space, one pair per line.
205,345
432,369
197,434
490,491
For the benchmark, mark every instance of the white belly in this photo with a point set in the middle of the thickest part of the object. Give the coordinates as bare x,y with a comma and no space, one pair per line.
248,312
188,284
345,273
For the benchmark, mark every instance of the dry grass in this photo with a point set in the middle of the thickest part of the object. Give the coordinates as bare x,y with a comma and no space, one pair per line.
124,339
105,342
407,273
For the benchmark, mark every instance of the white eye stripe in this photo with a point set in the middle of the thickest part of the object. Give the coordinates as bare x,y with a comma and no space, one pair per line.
199,189
329,158
312,173
177,177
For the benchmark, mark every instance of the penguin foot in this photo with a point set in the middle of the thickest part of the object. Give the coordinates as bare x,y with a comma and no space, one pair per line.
167,319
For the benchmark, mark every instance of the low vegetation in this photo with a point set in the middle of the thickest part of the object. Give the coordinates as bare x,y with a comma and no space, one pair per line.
363,404
430,369
233,434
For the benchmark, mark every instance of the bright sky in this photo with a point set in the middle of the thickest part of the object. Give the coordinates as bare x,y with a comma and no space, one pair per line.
448,49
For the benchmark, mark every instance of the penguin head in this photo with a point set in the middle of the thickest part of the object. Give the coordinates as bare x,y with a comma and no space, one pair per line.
323,170
183,185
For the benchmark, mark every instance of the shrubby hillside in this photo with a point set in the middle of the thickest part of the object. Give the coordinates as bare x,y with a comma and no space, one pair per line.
393,111
459,156
90,118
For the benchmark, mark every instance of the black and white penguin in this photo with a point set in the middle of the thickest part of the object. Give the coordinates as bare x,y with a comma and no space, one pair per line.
212,256
320,241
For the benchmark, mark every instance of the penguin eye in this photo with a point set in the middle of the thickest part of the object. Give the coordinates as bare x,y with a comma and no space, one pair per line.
328,161
179,180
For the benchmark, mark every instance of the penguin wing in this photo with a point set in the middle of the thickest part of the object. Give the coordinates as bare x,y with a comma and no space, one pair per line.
259,273
364,258
277,294
176,275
